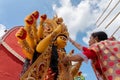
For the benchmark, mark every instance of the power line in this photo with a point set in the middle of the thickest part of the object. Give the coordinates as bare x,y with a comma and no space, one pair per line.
112,20
104,11
116,31
109,13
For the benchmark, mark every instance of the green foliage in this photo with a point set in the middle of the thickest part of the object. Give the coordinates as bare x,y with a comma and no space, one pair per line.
79,77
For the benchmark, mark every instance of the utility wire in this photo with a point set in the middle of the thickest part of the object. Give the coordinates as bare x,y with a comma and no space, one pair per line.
116,31
109,13
112,20
104,11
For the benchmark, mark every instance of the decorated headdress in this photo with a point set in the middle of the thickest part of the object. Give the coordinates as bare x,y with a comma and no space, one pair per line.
53,23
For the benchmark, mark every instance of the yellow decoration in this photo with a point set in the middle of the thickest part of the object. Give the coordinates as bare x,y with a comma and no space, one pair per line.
61,41
21,36
50,35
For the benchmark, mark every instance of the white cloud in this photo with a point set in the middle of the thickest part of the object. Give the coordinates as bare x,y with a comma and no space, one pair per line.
86,38
81,17
2,30
77,18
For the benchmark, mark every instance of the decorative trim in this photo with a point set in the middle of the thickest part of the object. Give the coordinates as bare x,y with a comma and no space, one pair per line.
12,51
8,47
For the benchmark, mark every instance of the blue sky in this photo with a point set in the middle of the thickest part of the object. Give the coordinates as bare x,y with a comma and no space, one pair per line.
80,17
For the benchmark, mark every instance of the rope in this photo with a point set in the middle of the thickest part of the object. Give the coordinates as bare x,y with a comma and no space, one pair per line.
109,13
116,31
112,20
104,11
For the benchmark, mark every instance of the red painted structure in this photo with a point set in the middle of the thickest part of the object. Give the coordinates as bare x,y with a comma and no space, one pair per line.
11,56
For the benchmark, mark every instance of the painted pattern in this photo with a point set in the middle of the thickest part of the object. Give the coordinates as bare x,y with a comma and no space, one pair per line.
108,53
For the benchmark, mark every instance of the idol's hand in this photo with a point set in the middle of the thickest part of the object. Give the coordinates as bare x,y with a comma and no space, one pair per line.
50,75
68,57
43,17
64,27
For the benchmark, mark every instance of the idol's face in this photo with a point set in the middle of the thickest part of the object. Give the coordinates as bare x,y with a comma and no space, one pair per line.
61,41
